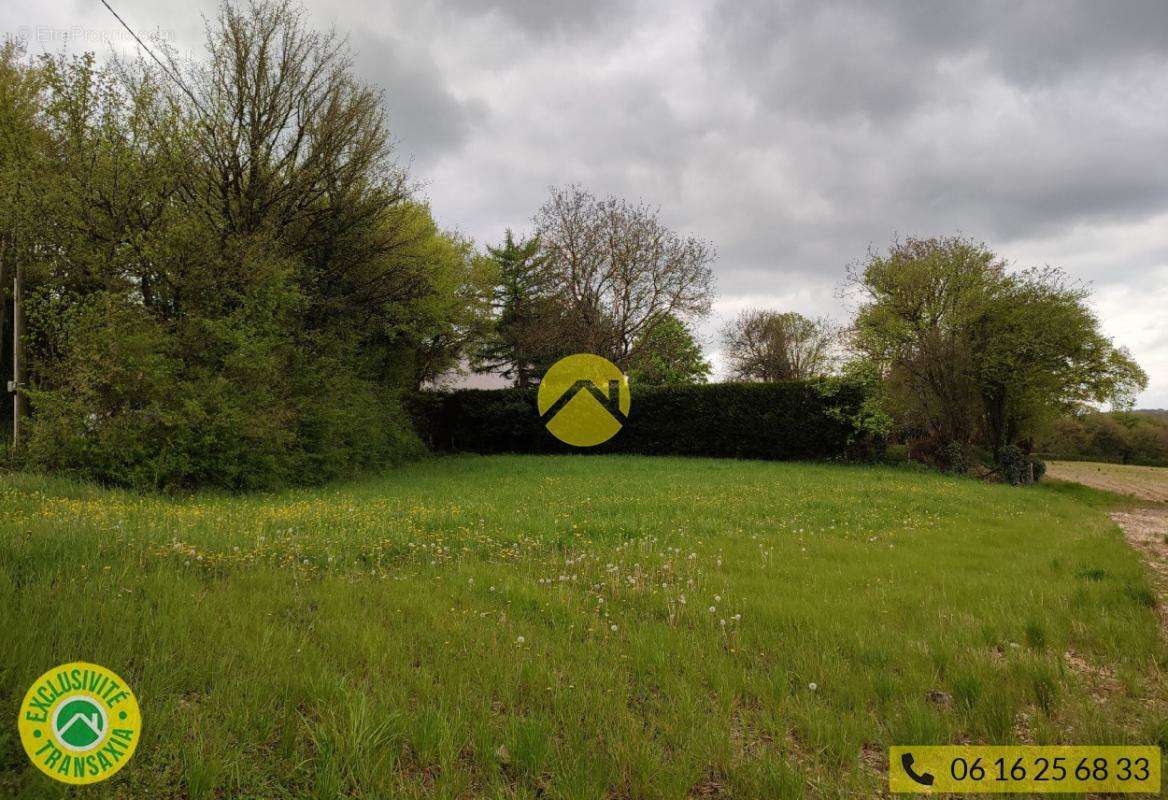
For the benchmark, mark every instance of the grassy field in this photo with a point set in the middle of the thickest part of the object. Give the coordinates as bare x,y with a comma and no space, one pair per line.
578,627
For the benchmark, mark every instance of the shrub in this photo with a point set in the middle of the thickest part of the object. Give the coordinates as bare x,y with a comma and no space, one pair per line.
1039,467
956,457
895,454
786,420
131,406
1019,468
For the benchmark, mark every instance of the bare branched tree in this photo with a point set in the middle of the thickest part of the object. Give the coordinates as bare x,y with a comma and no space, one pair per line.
285,124
771,346
616,268
291,146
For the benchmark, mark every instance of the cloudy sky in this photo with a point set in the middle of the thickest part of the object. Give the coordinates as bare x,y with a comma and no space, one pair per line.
793,135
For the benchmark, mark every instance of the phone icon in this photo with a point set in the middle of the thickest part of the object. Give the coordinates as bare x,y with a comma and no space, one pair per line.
906,761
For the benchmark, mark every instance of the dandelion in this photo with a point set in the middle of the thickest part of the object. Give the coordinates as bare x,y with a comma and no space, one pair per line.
520,640
612,628
813,686
712,609
717,598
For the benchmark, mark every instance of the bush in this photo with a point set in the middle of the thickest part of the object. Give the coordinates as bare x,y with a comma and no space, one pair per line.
956,457
1039,468
787,420
131,406
896,454
1019,468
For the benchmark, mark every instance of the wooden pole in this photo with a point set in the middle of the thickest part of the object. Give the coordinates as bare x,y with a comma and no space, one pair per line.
17,343
3,284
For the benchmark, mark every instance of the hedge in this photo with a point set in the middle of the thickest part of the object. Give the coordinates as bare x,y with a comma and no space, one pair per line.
784,421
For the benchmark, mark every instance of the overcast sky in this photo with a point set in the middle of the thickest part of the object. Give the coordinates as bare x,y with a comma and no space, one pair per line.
793,135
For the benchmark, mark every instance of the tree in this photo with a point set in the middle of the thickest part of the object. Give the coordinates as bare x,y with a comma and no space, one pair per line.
1040,354
528,331
973,353
667,355
21,159
450,313
229,281
292,147
616,269
771,346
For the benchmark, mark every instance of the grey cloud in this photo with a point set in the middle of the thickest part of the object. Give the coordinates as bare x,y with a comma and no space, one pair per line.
835,59
424,117
795,134
563,17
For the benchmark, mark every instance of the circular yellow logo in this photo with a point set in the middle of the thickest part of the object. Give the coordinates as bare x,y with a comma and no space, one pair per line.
583,399
79,723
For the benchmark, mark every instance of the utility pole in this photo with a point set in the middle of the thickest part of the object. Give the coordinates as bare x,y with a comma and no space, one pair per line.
17,343
3,283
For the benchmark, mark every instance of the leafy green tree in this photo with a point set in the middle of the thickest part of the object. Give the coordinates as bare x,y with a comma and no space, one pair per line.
229,282
667,355
528,331
21,179
1040,354
975,354
450,313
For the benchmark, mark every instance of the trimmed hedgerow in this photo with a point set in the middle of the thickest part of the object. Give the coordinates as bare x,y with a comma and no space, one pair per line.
782,421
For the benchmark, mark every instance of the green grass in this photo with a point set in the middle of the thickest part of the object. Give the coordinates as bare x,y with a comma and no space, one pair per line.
515,627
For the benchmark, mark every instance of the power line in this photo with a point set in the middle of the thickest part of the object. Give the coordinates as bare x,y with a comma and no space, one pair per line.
171,74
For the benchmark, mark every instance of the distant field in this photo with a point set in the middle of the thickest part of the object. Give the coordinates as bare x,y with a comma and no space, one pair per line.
1146,483
578,627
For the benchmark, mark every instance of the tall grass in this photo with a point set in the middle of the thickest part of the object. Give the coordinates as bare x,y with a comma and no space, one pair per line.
577,627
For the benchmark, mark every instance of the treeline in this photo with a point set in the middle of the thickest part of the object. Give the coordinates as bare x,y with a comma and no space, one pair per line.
1120,437
228,280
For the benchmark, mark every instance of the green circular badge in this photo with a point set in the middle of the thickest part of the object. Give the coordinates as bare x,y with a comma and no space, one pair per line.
79,723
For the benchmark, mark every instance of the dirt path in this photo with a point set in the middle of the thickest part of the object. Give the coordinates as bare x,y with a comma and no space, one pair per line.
1146,529
1146,483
